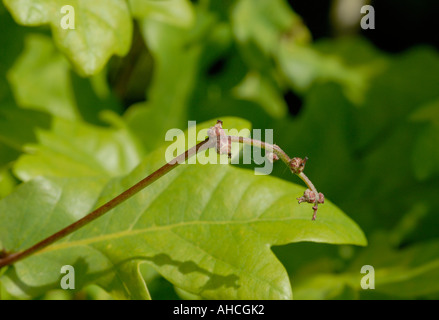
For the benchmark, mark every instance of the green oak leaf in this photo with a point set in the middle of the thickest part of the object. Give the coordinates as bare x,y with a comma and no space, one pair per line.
305,65
59,202
265,22
255,87
101,28
259,29
31,79
70,96
409,273
207,229
408,82
175,12
77,149
18,126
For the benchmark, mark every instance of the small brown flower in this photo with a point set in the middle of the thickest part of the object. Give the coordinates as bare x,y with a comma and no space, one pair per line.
223,143
298,164
310,197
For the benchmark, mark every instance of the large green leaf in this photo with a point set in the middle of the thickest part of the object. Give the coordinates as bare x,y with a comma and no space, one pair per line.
324,61
259,28
206,228
32,75
70,96
264,22
407,273
59,202
102,28
76,149
174,12
18,126
256,88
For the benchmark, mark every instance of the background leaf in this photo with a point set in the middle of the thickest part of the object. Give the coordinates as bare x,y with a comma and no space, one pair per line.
85,46
404,274
95,151
31,79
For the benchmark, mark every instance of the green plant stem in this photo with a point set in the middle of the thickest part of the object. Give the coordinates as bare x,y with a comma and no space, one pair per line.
264,145
282,156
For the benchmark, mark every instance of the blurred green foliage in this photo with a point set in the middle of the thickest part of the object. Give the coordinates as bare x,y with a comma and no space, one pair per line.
368,120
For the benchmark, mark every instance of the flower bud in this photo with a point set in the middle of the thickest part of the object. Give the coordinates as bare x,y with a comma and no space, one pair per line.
271,156
321,198
310,197
223,144
298,164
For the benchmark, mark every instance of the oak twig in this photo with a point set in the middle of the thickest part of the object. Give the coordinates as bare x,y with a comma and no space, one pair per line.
218,139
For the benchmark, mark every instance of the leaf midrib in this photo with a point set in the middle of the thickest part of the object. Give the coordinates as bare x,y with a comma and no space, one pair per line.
127,233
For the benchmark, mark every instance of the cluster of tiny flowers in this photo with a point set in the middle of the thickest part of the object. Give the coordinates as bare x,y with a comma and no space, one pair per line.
298,164
310,197
223,145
